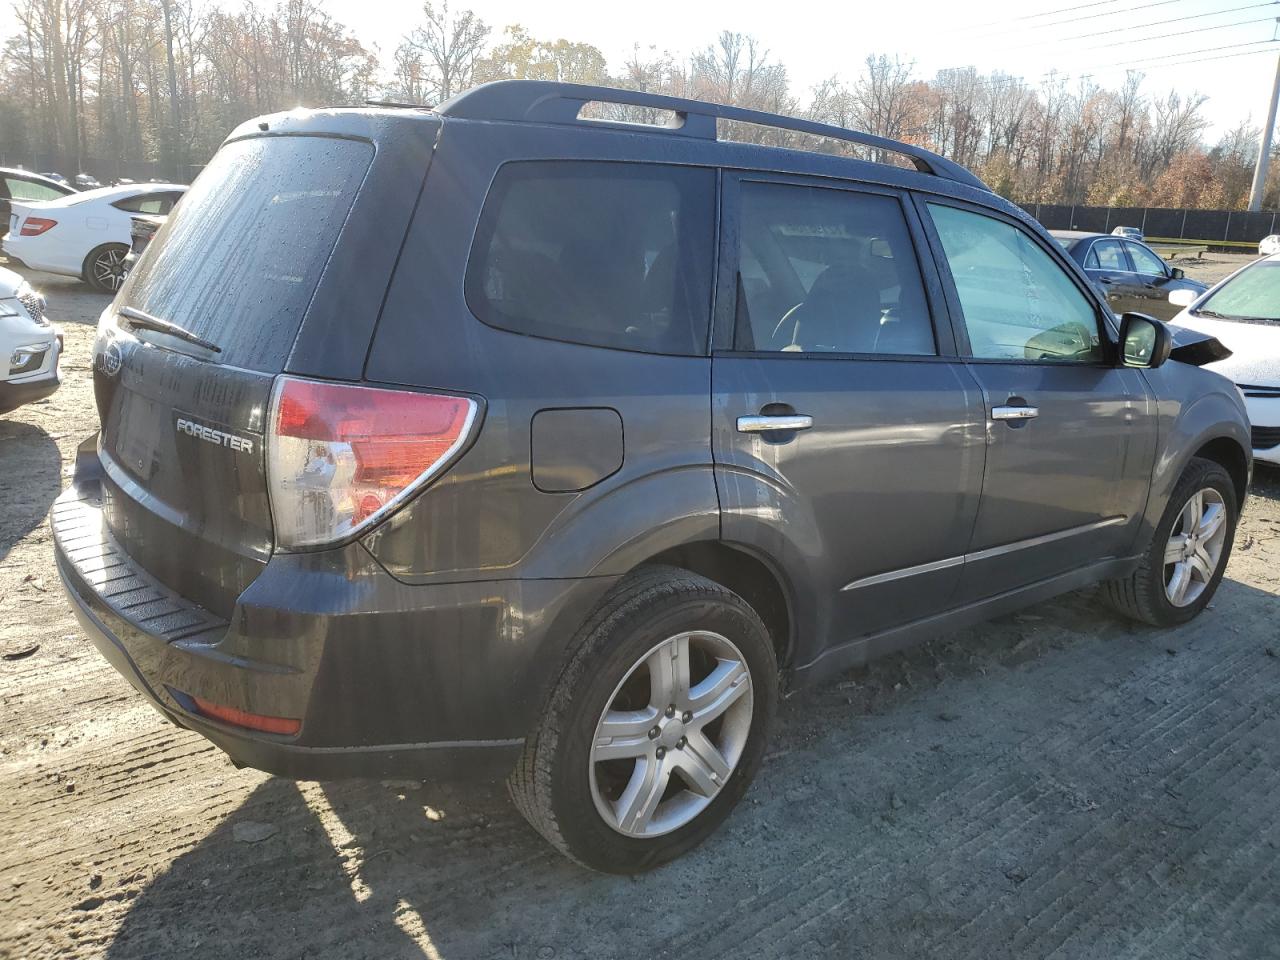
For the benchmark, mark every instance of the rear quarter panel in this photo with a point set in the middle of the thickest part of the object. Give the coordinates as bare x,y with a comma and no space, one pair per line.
486,518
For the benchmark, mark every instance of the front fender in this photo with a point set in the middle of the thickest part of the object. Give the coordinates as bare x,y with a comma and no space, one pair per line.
1190,416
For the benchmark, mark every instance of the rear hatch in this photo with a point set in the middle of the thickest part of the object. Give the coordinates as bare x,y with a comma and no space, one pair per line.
255,259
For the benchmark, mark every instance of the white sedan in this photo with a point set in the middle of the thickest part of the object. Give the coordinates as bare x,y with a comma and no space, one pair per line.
29,345
1269,245
1243,312
85,235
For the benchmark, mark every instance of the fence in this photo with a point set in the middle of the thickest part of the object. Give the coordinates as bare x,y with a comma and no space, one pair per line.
1220,228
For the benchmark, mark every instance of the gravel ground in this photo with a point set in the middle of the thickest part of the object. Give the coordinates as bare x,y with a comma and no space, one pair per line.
1055,783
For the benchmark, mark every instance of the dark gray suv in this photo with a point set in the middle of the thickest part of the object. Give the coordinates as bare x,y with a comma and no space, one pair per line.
499,440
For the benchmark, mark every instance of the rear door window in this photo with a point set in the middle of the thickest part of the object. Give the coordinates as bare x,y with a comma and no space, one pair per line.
828,271
608,254
242,254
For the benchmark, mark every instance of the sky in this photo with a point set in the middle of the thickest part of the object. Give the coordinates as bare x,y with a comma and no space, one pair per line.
1026,38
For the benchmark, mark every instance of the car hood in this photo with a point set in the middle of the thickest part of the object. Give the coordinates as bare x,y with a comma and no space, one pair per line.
1255,347
9,283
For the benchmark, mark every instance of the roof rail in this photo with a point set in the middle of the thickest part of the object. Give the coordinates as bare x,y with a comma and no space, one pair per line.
545,101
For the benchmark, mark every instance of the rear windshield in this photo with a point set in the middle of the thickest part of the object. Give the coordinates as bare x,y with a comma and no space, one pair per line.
242,253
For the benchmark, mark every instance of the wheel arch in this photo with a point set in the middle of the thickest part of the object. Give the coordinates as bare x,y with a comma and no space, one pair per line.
1228,454
750,576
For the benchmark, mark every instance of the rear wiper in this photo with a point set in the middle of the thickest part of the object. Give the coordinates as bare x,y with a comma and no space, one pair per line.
145,321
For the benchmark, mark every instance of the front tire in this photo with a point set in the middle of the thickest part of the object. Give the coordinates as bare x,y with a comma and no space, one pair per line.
1188,553
104,267
656,727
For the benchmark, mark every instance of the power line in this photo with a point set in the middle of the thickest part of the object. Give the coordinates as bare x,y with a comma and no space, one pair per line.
1184,53
1005,28
1130,66
1161,23
1048,13
1163,36
1183,33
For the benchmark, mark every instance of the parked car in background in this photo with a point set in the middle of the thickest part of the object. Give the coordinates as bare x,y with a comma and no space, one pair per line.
1243,312
85,235
1130,233
1269,245
30,346
85,182
365,460
142,228
1131,275
24,185
57,177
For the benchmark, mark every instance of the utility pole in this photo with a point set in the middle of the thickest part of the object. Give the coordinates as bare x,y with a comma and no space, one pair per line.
1264,154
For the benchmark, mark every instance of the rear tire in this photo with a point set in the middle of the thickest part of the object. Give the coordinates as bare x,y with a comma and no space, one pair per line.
104,267
1184,562
624,801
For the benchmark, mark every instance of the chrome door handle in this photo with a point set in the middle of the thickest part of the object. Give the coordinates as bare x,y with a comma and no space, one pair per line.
1014,413
762,424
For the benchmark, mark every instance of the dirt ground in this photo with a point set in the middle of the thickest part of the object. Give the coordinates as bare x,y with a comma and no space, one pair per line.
1056,783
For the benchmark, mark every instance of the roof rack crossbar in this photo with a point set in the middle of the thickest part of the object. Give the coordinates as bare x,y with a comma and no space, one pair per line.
543,101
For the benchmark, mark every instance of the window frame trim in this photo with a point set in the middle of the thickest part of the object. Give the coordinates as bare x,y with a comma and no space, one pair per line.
724,321
1105,319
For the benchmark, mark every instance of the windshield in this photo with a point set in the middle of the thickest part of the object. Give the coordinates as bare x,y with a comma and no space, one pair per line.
240,258
1253,295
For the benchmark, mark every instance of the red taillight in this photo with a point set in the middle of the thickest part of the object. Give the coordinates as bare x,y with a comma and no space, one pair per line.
250,721
340,456
34,226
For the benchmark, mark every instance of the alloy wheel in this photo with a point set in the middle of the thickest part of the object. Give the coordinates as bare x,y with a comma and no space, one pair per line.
108,269
1194,550
671,734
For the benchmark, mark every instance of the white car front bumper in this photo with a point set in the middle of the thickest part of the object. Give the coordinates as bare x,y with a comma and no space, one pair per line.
1264,417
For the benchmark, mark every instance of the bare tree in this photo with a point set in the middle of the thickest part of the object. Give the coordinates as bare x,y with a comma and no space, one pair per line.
449,45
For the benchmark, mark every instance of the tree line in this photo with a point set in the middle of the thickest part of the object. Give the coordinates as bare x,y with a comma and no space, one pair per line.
134,87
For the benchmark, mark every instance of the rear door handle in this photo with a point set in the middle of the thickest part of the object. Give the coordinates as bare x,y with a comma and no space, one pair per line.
763,424
1014,413
1105,280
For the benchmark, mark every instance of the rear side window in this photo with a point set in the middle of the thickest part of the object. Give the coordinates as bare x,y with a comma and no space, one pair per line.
153,203
241,256
606,254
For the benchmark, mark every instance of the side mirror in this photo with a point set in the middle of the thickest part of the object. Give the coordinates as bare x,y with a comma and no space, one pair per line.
1144,341
1182,298
1177,273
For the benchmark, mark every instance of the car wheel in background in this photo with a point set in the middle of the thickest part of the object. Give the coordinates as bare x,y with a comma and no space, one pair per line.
1188,554
104,267
656,727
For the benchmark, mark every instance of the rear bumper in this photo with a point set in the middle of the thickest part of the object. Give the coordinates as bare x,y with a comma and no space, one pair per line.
389,681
